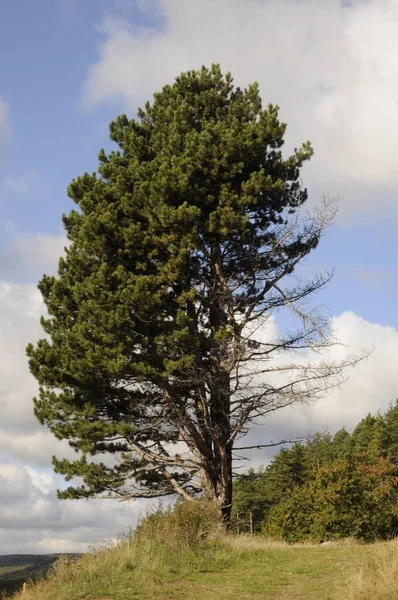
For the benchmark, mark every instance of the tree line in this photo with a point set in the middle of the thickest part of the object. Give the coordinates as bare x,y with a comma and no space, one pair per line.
330,487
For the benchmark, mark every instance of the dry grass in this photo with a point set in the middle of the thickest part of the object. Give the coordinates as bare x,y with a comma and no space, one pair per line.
378,577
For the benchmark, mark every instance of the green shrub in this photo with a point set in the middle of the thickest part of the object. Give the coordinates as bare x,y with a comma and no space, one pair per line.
355,497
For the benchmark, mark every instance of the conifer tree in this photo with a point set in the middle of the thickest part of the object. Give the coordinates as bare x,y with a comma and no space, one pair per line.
391,432
364,433
181,246
251,500
320,450
289,469
341,443
352,497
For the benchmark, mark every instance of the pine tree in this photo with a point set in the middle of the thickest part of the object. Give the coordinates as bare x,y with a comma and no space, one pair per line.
391,432
379,443
251,501
320,450
341,443
180,248
289,469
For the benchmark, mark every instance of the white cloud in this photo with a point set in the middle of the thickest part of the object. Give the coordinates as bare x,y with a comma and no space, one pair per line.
370,387
20,309
33,520
372,384
27,256
4,119
332,69
36,446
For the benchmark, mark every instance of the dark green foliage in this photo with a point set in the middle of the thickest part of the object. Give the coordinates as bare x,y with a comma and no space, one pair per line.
391,432
256,493
251,501
341,443
287,471
186,235
378,434
321,450
364,433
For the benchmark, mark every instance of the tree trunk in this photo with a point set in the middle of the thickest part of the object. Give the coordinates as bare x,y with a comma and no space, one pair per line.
216,483
216,475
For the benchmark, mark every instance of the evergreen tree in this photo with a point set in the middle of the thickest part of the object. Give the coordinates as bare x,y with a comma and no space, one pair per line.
341,443
379,442
181,246
257,492
363,433
320,450
251,501
288,470
391,432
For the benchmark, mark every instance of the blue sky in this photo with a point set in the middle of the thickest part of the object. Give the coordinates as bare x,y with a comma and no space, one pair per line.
45,48
68,67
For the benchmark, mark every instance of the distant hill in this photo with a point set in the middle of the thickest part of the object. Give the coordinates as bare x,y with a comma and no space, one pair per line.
17,568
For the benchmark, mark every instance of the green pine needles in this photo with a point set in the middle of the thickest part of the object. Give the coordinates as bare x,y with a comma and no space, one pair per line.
182,245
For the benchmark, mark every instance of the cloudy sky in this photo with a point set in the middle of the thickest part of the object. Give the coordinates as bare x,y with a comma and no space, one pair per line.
67,68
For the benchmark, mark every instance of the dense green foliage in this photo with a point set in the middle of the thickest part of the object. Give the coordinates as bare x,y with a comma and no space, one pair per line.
181,245
345,485
352,497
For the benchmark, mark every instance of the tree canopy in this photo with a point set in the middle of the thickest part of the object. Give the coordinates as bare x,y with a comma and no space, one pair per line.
182,246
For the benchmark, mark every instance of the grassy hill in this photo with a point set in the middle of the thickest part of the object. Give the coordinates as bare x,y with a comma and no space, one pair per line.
185,555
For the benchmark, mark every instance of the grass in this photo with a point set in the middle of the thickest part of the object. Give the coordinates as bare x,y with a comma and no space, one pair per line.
378,577
184,555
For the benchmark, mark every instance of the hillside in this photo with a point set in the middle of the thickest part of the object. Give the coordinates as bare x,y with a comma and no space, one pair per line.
15,569
248,569
184,555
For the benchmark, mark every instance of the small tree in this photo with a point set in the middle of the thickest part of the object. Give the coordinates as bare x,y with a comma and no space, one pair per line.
181,247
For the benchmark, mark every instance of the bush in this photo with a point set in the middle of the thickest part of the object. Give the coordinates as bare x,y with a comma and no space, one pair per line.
355,497
182,538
